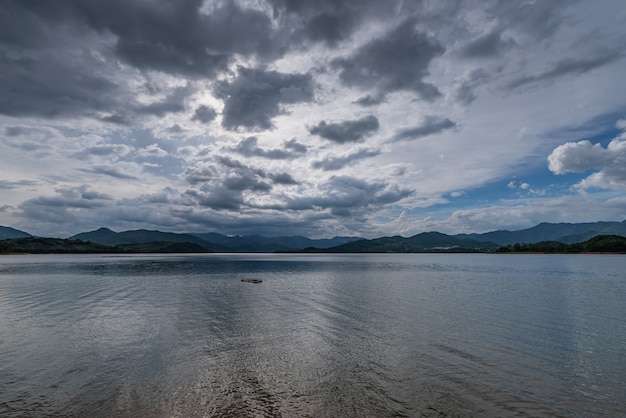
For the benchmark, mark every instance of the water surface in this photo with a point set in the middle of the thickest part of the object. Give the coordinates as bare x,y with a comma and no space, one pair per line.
323,335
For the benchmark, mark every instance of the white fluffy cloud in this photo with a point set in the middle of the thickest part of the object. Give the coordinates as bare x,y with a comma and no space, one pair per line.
609,163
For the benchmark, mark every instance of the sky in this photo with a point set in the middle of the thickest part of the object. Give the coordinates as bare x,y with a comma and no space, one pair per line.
311,117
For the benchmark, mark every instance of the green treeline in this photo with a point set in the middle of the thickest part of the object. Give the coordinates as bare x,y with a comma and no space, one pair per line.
598,244
35,245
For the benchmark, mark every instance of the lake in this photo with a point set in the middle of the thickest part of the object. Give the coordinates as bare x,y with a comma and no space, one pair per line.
323,335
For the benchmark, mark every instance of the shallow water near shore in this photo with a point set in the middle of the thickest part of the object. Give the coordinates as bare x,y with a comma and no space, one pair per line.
322,335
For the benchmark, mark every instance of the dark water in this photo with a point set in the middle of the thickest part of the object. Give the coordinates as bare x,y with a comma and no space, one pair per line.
323,335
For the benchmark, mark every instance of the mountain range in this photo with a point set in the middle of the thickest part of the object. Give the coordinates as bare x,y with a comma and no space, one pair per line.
211,241
566,233
420,243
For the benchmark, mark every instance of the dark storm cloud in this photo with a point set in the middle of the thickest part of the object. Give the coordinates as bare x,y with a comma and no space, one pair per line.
4,184
240,168
87,194
305,7
228,162
397,61
215,197
283,178
347,131
104,150
173,37
487,45
330,28
227,192
13,131
535,19
337,163
249,147
331,21
346,196
164,197
565,67
204,114
464,91
240,183
254,174
175,129
109,171
60,58
464,94
253,98
40,141
272,223
173,103
164,36
197,175
117,119
237,177
243,177
296,147
230,188
46,67
48,86
370,100
431,125
61,208
72,197
176,37
218,198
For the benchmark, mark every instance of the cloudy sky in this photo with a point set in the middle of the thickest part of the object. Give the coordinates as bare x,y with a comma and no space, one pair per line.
311,117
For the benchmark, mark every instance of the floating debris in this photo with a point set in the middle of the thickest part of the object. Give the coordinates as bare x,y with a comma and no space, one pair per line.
252,280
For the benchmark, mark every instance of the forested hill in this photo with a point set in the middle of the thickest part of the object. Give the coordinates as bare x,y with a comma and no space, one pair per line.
424,242
34,245
598,244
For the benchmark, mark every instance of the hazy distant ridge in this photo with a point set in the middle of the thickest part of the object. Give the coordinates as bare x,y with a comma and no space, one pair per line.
141,236
567,233
253,243
209,241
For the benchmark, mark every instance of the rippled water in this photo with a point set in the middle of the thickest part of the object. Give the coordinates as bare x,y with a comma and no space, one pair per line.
323,335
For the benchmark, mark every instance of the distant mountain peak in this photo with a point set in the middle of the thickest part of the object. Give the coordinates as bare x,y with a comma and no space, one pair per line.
96,235
6,232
